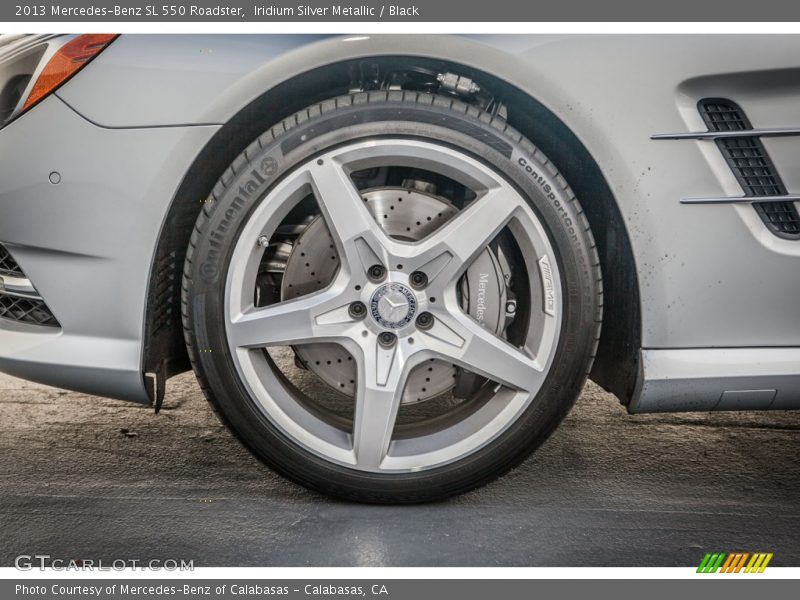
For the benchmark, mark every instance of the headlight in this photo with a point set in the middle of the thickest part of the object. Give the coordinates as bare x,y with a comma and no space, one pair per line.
34,66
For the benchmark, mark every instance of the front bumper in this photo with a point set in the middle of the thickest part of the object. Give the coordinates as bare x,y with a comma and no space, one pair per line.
87,242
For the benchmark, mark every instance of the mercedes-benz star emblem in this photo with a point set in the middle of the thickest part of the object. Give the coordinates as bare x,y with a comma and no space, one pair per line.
393,305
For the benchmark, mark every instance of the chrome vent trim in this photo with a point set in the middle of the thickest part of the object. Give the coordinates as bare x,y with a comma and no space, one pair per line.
741,199
718,135
18,286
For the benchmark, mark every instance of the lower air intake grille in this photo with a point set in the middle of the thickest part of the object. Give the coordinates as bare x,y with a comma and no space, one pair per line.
21,307
26,310
751,165
7,263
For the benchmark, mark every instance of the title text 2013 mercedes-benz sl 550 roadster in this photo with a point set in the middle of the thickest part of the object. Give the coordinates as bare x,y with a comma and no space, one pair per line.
392,261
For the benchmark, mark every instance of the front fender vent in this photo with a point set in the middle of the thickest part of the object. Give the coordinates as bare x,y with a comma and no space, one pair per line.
751,165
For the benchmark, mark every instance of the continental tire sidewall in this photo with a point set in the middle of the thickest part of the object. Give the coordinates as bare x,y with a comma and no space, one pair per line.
411,116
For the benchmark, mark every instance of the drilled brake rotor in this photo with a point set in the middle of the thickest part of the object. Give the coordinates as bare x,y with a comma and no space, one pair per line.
407,215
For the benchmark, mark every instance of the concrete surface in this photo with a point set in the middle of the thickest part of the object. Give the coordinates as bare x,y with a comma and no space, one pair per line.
85,477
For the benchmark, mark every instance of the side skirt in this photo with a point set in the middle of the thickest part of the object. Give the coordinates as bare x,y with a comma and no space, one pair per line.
704,379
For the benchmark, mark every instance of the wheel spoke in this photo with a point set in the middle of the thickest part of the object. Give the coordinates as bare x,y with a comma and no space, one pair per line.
360,241
463,341
382,379
314,318
450,251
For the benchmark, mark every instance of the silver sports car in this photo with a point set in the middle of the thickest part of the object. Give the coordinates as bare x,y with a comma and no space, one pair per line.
392,261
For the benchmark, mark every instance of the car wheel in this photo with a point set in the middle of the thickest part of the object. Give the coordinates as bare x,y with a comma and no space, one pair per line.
392,297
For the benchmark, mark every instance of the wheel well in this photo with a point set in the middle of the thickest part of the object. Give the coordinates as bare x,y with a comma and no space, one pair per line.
616,364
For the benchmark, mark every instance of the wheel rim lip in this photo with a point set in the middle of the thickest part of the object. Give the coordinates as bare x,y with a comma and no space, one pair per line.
276,402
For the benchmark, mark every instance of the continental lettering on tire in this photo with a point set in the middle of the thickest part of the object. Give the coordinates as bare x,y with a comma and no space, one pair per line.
210,267
565,216
537,177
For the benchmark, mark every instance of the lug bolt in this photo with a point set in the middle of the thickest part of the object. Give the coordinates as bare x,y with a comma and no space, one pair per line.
376,272
511,307
357,310
425,320
418,280
387,339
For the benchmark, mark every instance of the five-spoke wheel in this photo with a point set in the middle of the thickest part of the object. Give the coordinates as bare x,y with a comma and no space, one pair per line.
392,305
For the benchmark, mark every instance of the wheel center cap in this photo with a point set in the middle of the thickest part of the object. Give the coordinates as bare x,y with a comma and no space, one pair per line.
393,305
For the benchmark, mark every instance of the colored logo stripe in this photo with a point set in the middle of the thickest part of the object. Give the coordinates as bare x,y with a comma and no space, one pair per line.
734,562
758,563
711,562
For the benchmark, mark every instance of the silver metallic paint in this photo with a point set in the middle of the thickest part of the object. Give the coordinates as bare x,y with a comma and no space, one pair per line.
718,379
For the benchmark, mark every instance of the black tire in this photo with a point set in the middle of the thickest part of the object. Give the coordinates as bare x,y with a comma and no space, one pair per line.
410,115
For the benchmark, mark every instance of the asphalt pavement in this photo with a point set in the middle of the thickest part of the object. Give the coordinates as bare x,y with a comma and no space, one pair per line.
89,478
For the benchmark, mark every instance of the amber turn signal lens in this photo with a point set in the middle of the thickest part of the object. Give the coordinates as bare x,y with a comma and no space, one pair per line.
68,60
